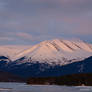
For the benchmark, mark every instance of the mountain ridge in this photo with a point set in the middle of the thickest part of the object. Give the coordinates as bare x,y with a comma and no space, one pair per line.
59,51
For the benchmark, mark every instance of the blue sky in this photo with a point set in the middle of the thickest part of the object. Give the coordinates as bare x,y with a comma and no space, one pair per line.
24,22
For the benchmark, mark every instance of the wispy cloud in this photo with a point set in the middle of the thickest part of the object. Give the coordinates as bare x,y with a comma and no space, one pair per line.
24,35
6,39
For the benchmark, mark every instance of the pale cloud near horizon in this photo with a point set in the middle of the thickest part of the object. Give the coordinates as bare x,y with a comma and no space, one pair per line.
24,35
32,21
6,39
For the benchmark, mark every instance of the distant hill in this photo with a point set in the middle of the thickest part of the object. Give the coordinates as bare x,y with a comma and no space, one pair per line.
74,74
32,69
84,66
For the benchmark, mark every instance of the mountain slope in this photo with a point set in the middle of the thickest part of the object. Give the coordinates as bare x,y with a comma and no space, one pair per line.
84,66
11,50
49,58
81,67
36,69
58,51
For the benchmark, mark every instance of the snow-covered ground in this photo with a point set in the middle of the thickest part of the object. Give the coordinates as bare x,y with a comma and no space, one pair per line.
22,87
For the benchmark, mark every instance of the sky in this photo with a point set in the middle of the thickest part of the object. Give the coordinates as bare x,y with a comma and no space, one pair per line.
26,22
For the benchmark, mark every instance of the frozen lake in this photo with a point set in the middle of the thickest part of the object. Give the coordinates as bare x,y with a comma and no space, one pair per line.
22,87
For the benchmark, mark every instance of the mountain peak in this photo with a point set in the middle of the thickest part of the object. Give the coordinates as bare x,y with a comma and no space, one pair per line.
57,50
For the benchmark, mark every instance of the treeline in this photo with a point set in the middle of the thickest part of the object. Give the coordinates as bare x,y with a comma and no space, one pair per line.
7,77
70,80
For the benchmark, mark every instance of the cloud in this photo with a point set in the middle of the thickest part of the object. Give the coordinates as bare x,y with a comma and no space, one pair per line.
36,20
6,39
24,35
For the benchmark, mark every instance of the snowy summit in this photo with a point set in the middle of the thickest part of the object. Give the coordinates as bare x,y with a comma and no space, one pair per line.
58,51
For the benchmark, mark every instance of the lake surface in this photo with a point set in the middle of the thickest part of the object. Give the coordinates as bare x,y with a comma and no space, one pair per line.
22,87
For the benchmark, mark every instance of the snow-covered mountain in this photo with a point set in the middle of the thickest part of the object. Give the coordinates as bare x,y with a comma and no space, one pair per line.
57,51
11,51
48,58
